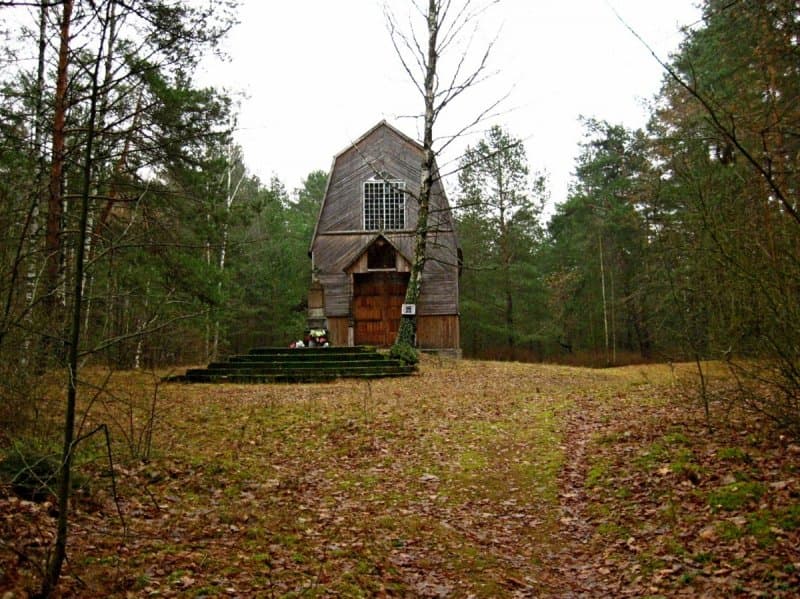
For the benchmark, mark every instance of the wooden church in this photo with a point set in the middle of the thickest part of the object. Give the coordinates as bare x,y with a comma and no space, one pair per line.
363,247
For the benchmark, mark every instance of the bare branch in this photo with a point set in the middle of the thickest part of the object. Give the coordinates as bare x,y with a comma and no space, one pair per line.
394,35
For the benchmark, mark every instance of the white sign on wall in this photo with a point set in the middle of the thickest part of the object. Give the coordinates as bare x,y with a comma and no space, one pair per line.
408,309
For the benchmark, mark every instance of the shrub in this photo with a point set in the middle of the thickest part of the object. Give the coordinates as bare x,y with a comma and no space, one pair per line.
404,352
32,472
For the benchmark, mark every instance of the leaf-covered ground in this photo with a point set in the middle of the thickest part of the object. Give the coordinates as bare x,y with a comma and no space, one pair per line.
478,479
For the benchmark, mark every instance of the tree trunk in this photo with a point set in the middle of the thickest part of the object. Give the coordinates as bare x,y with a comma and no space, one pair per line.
56,560
29,229
407,329
55,204
505,260
510,323
605,308
39,194
231,192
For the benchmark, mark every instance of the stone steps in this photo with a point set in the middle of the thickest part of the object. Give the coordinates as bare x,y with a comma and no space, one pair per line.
310,364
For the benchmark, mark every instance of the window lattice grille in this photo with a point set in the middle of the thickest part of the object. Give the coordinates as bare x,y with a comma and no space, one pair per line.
384,205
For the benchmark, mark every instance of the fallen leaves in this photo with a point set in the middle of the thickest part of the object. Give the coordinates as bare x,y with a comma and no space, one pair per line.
471,479
677,510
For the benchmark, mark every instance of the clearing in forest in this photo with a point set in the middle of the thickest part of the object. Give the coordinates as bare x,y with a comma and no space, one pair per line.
480,479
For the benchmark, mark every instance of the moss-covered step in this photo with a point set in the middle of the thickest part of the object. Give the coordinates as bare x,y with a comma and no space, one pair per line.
267,365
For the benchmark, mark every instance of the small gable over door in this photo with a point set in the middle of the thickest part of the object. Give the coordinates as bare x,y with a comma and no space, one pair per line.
379,278
380,254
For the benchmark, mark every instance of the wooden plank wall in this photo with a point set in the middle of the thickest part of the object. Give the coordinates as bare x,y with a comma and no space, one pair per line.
381,151
433,332
440,277
337,293
337,328
438,332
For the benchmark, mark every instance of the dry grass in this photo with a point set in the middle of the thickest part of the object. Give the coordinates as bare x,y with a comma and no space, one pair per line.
444,483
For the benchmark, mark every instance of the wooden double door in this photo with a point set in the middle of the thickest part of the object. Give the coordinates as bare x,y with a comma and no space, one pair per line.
377,300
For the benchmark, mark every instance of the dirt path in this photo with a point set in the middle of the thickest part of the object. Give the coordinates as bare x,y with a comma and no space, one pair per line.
575,570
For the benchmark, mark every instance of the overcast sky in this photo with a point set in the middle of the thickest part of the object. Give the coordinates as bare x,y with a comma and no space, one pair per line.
313,75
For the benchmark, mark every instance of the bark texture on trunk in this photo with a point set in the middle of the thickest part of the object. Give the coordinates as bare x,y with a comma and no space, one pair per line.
406,332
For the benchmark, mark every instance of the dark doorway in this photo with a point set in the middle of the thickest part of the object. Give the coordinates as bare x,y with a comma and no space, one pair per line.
381,256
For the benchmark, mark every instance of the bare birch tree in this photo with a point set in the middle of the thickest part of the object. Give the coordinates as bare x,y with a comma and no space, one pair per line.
449,25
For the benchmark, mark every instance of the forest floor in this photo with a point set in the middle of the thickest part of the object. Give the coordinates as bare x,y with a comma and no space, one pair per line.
470,479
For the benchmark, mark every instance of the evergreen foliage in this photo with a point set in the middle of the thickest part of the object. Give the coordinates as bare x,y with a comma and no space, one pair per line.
404,352
726,147
676,242
597,241
498,225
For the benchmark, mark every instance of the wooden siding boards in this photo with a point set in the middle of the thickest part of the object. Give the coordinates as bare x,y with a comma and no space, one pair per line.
337,329
438,332
339,239
337,293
